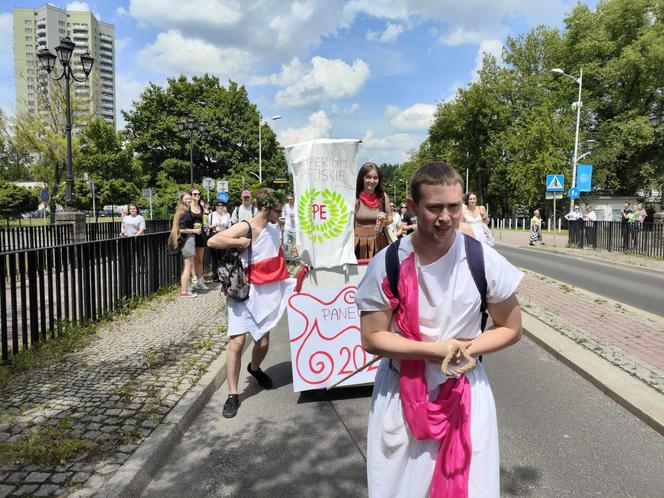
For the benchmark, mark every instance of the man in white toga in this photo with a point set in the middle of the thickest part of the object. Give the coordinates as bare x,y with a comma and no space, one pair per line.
430,435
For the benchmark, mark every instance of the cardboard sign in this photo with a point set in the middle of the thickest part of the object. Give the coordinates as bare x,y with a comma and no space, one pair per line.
324,328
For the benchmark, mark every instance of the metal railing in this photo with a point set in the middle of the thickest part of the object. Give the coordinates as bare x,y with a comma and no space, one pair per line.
639,238
33,237
78,283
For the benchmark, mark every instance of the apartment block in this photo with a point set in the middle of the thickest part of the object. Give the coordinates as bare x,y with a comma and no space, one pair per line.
35,29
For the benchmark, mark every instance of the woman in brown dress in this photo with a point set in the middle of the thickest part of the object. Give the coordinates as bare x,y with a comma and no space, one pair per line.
372,213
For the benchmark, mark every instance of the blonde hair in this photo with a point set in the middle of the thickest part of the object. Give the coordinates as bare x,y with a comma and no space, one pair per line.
175,228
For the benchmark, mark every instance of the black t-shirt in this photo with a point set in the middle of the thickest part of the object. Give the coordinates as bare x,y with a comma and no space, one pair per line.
626,213
407,217
187,220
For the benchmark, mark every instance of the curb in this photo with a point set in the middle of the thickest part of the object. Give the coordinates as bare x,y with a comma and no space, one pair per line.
139,470
629,392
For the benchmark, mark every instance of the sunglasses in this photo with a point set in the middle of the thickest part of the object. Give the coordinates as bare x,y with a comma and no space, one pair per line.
195,193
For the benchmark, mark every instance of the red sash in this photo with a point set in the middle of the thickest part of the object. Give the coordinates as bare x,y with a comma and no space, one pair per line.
269,270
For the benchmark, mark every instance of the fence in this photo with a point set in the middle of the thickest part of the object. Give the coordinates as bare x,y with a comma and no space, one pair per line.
639,238
78,283
33,237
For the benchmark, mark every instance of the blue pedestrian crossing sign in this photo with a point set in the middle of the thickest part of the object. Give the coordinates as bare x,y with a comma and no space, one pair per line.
555,183
222,196
573,193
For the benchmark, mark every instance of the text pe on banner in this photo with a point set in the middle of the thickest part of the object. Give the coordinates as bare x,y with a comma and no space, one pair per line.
324,328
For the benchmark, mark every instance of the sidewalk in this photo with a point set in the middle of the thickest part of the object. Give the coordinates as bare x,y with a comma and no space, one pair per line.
520,238
76,422
628,338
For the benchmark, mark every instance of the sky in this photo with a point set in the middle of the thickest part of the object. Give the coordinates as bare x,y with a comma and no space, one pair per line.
366,69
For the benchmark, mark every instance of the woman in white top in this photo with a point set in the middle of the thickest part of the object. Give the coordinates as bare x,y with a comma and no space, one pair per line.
132,224
220,218
474,216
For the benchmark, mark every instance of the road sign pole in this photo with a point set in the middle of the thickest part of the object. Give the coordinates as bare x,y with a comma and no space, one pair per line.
150,204
554,219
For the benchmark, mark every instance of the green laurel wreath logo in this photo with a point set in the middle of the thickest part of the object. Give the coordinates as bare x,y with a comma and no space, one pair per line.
337,209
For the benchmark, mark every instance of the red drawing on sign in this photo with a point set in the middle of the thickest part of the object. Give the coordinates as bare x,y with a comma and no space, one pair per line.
310,358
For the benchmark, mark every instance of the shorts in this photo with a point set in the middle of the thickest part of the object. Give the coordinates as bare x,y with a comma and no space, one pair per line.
189,247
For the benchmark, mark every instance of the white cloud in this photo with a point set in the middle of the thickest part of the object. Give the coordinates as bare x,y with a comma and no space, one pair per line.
78,6
415,117
122,43
121,12
172,53
339,110
319,127
492,47
328,79
128,89
391,33
290,73
389,149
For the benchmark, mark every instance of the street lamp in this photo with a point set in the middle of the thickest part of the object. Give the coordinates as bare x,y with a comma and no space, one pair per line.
47,61
260,146
191,125
560,72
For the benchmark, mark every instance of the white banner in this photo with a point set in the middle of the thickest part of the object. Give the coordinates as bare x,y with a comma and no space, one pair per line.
324,175
324,328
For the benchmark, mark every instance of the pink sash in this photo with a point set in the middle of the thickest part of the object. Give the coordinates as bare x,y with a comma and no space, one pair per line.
447,418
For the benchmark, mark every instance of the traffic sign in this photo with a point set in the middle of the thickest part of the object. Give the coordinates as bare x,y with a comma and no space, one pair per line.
573,193
222,186
147,193
222,196
44,194
280,179
553,195
555,183
208,183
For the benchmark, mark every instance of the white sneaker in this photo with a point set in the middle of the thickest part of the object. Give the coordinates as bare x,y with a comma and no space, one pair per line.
201,284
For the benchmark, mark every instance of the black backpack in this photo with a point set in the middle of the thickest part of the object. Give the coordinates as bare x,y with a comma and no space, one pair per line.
234,282
474,256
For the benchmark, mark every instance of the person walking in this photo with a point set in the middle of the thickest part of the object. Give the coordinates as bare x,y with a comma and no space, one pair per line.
220,220
395,226
244,211
183,229
371,217
197,209
428,434
536,228
270,287
133,224
289,214
473,217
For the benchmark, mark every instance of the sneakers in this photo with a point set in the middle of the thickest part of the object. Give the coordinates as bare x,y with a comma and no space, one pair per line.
261,377
188,294
531,244
231,406
201,284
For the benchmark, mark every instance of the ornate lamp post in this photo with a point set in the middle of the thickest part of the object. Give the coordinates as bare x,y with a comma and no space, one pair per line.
260,145
191,125
47,60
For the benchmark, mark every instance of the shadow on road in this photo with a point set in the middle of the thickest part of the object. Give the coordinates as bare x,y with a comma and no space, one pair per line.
519,481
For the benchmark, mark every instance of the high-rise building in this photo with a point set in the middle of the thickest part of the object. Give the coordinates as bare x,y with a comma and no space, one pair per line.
35,29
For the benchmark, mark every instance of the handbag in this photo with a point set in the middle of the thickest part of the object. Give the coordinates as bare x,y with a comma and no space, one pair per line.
174,251
234,281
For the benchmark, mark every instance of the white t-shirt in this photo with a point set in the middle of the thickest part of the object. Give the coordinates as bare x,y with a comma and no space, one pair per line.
448,297
591,216
289,214
133,224
221,221
241,213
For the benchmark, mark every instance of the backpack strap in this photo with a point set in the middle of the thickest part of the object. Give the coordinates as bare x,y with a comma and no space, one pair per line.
251,243
393,266
475,258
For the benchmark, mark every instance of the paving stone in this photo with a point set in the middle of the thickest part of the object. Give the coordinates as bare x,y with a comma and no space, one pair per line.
26,489
17,477
83,493
107,468
63,467
47,490
61,477
37,477
4,436
121,457
80,477
79,467
6,490
113,412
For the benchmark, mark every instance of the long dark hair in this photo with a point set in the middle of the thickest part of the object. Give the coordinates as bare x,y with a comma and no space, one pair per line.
359,185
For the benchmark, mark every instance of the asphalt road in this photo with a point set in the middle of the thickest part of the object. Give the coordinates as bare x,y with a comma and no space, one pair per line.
559,436
638,288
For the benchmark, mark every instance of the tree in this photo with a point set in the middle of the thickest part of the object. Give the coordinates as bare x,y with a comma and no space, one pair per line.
118,192
15,200
228,147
